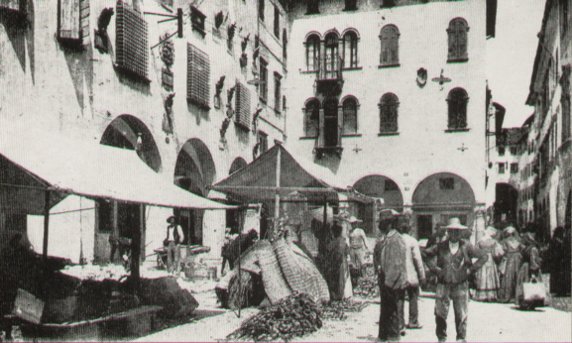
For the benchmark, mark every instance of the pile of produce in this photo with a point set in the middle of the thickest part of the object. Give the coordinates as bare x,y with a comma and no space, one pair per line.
294,316
336,310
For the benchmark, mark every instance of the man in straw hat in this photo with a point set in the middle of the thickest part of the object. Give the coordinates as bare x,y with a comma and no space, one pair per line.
453,267
358,245
390,255
173,238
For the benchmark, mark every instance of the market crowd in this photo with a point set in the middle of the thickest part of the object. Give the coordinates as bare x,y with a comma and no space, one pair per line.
495,269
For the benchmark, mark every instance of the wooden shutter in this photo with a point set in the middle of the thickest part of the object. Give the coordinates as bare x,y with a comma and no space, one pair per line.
242,114
12,5
198,77
73,21
131,41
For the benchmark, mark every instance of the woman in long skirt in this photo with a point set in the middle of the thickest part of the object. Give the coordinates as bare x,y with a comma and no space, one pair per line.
530,268
510,264
487,278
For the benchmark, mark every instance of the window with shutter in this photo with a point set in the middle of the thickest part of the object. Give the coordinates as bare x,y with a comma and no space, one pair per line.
277,92
263,81
73,21
242,106
457,103
458,41
388,113
389,38
198,77
131,41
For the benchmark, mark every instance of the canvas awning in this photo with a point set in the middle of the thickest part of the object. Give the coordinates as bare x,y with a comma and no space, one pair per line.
33,162
277,172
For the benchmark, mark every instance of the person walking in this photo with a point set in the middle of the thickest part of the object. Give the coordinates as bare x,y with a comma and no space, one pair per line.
487,278
530,268
454,266
358,248
415,277
337,268
559,263
510,264
171,243
392,278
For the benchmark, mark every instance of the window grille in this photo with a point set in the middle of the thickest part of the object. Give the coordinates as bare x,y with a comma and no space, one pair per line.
242,106
131,41
198,77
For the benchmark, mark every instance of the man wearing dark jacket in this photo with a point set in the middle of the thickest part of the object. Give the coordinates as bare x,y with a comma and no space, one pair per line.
392,278
453,266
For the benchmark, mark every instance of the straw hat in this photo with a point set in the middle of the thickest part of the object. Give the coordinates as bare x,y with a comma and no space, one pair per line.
455,224
388,213
353,220
171,220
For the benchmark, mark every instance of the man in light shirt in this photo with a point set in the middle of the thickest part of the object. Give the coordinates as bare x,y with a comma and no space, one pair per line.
415,277
358,245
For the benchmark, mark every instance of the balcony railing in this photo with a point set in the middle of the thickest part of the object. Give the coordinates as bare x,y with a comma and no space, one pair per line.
329,78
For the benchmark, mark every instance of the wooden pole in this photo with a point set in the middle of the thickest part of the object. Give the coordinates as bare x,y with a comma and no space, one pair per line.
136,254
46,224
277,196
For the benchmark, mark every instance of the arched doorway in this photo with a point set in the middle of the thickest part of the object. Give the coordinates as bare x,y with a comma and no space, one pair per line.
116,222
505,206
194,171
440,197
377,186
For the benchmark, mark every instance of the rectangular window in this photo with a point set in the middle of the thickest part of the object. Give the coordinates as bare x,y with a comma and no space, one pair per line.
564,21
351,5
198,20
261,9
313,6
501,168
73,21
514,150
104,216
263,88
277,91
242,106
514,168
131,41
198,77
276,22
262,141
447,183
566,125
501,150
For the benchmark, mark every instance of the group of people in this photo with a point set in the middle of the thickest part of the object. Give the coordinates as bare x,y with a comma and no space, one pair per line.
514,259
397,259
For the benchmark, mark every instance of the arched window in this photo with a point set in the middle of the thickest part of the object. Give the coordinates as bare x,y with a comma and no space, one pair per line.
388,113
312,53
349,107
457,101
350,50
458,41
331,57
389,39
312,118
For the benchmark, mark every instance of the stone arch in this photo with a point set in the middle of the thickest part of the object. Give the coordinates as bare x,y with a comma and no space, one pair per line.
439,197
124,131
377,186
237,164
195,171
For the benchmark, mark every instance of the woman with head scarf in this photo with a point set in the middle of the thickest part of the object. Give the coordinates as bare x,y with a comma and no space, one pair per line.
487,278
510,264
530,267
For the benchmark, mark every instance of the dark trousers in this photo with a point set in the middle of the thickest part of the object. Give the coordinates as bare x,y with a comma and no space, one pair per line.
413,295
459,294
389,315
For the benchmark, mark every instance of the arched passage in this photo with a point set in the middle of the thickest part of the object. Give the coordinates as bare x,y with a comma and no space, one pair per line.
377,186
117,221
194,171
439,197
237,164
123,132
505,205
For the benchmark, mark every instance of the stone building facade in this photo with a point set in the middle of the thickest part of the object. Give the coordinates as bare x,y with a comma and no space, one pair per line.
394,103
191,105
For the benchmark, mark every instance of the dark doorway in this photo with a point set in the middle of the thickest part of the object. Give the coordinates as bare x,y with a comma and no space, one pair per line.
424,226
505,204
568,213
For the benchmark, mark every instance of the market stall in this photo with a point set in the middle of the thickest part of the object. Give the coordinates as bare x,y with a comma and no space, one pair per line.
37,170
